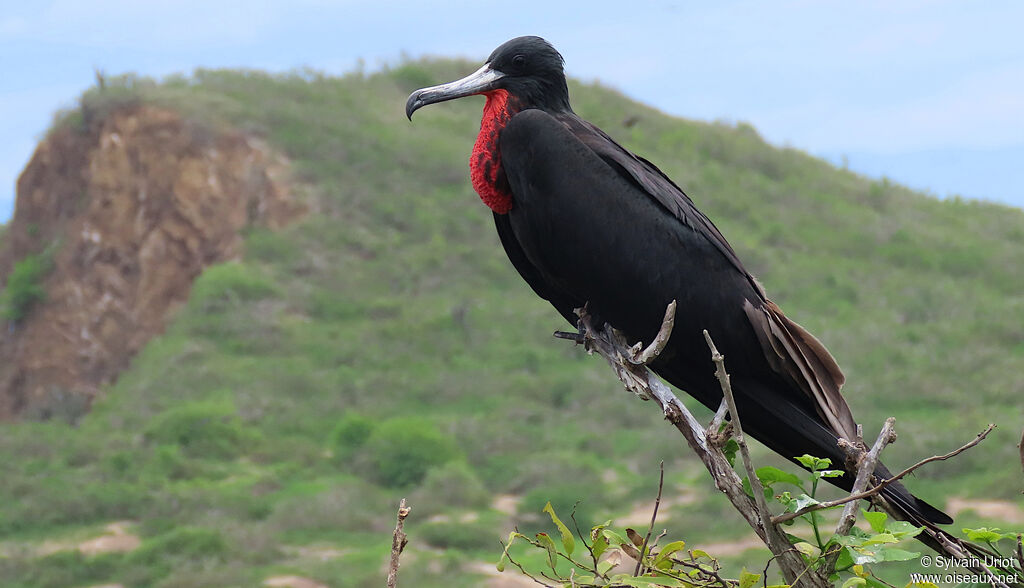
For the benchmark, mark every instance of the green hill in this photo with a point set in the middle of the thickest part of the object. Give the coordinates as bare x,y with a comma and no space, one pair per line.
384,347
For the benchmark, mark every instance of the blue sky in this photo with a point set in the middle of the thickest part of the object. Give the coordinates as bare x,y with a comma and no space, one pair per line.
929,93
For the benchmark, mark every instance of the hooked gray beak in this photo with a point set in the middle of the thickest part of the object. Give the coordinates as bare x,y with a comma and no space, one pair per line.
482,80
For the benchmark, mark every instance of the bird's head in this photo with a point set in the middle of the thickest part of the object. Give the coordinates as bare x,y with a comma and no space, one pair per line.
528,68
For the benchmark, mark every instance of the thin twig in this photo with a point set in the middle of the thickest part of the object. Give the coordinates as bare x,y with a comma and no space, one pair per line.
654,515
521,568
777,542
576,525
398,542
716,423
723,380
882,484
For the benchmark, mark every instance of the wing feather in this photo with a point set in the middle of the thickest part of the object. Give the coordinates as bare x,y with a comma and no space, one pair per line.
791,350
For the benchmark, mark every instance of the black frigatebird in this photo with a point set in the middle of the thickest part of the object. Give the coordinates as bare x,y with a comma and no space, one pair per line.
585,221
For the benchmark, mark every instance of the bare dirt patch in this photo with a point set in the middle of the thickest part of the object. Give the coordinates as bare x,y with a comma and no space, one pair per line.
293,582
1000,510
117,540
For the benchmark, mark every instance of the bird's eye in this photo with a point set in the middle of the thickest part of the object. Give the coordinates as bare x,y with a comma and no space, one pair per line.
519,61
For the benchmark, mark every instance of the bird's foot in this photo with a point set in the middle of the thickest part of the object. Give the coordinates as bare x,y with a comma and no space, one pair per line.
639,355
579,338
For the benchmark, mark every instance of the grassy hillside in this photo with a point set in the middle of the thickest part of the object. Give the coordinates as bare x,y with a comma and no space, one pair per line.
384,347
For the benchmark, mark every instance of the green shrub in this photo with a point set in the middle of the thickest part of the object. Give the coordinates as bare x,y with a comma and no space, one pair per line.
71,568
185,542
473,536
226,284
269,246
201,429
349,434
177,550
352,506
401,451
24,286
453,484
325,304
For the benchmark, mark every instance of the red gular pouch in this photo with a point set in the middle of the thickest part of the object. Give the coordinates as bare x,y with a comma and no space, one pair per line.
485,170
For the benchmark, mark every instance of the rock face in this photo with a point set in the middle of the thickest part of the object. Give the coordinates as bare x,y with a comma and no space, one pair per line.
133,208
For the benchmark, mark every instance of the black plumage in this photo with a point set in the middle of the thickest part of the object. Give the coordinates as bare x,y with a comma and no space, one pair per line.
585,221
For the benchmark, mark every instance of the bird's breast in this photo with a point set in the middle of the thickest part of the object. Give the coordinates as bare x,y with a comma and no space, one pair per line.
485,170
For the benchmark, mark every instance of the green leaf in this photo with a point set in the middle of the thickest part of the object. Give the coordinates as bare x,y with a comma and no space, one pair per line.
545,540
667,551
881,538
903,529
854,581
988,535
876,520
614,538
747,579
863,556
599,545
614,559
504,554
844,560
894,554
729,450
803,501
568,542
699,553
831,473
807,549
813,463
646,582
770,475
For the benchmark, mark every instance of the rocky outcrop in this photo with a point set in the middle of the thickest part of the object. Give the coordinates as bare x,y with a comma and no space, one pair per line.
133,207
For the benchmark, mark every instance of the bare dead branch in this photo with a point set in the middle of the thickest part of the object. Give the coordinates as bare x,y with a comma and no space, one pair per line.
398,542
1020,446
865,469
882,484
611,345
776,540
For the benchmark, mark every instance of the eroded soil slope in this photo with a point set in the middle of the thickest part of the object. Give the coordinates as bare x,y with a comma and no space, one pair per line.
128,210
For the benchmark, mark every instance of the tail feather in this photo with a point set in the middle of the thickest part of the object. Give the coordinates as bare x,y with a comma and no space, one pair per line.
906,507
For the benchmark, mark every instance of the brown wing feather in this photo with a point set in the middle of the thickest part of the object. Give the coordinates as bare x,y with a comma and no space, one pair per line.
794,352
